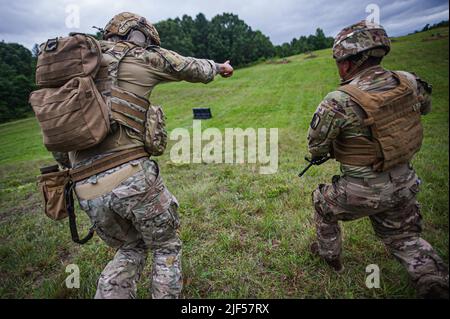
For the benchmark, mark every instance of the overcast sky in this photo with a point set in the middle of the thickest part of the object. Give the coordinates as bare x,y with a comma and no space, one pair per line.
29,22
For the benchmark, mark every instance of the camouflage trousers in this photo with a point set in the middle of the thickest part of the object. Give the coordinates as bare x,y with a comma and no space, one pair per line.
394,212
138,215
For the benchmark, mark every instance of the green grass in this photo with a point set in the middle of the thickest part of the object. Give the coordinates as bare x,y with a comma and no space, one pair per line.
245,235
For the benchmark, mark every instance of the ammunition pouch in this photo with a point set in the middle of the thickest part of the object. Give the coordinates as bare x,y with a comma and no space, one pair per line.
155,135
53,189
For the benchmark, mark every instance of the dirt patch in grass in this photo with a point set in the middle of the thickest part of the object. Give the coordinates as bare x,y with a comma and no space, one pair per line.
435,37
281,61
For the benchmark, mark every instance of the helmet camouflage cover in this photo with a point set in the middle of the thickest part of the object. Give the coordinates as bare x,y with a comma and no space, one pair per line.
361,37
125,22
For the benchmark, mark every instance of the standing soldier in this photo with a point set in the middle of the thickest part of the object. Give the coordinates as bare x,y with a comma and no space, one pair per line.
371,125
130,206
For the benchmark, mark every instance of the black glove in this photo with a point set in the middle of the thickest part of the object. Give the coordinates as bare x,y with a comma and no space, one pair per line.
318,160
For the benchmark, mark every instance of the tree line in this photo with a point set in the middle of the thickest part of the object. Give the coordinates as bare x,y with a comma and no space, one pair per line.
443,23
17,67
224,37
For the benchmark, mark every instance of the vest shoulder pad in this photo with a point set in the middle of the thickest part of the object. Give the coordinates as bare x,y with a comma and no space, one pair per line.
106,45
417,82
411,77
336,101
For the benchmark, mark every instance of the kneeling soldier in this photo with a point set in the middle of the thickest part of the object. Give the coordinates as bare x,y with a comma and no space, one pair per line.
372,126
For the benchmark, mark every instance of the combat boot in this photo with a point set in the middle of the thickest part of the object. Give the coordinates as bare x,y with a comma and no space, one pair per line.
432,287
335,263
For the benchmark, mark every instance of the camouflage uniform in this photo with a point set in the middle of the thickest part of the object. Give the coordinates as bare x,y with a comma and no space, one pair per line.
140,213
387,198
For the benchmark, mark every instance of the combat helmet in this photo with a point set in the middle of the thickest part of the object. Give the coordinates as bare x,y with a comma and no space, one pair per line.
361,37
124,22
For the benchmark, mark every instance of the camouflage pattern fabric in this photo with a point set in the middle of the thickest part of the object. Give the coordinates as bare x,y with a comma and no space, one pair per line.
144,68
62,159
138,215
124,22
155,135
388,199
361,37
395,215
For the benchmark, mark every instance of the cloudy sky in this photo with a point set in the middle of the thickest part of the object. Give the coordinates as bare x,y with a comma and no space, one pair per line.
29,22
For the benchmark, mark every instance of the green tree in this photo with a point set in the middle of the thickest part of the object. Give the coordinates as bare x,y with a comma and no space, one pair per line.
232,39
200,36
174,37
35,51
16,80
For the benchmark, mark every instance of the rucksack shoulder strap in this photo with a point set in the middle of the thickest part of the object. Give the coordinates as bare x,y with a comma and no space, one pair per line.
119,51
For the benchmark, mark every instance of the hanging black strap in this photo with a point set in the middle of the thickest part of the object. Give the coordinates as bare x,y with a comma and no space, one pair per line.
72,217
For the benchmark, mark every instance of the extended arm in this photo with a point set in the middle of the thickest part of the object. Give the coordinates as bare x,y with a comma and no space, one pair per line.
176,67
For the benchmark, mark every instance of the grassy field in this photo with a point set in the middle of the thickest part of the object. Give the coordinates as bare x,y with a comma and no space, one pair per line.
245,235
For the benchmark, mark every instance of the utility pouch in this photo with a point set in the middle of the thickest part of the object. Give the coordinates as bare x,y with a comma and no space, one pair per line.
57,190
155,135
52,186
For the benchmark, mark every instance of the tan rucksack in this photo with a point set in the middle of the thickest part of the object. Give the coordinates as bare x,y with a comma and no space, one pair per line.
71,112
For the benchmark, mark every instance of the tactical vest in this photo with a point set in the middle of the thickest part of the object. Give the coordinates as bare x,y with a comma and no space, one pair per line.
394,120
146,121
126,108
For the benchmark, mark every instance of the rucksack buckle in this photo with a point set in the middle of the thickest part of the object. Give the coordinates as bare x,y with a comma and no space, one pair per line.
51,45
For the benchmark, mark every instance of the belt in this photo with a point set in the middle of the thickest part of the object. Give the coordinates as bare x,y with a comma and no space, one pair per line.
106,163
106,184
383,177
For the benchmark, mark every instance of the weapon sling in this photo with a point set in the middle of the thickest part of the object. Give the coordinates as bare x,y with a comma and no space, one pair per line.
73,219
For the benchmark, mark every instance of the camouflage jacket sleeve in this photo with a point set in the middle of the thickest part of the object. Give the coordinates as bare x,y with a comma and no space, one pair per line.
62,159
176,67
423,91
326,125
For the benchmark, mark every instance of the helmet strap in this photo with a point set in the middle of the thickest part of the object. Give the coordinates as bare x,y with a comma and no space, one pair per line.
356,66
137,37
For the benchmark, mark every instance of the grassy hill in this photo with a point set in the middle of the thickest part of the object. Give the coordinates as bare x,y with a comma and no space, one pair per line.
245,234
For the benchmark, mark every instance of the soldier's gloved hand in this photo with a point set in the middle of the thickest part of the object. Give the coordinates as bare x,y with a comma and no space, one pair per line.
226,70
